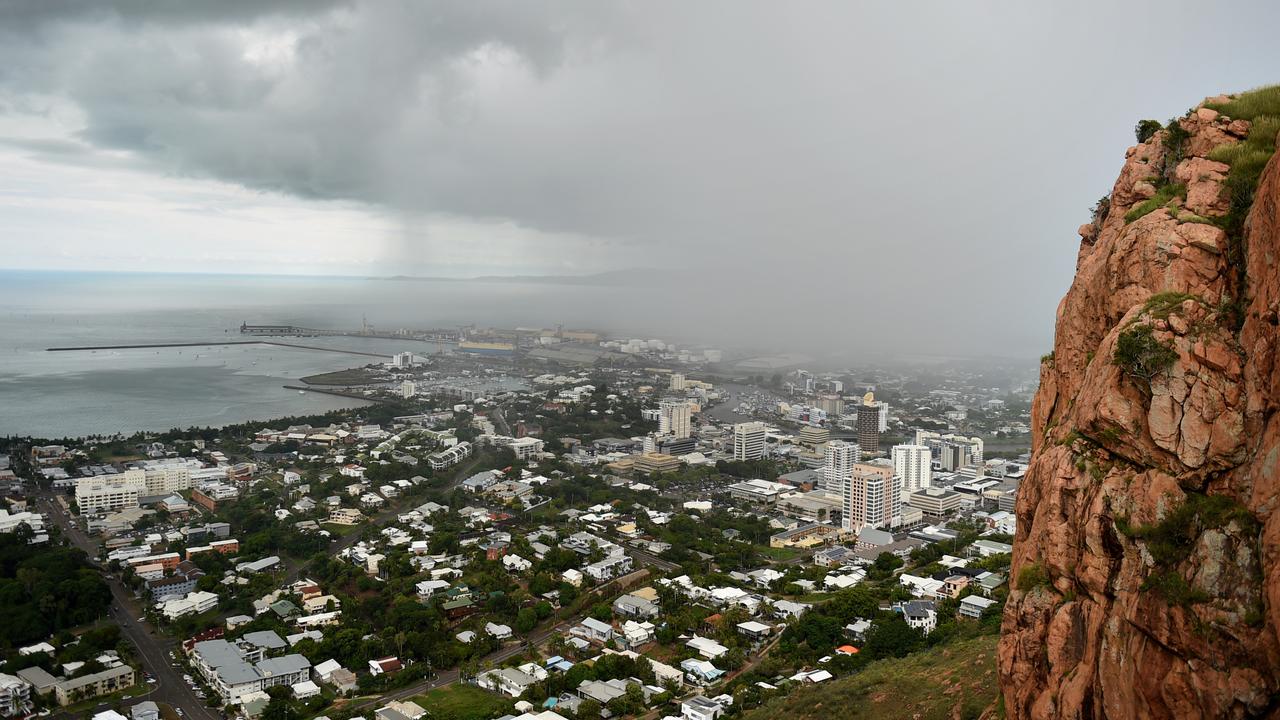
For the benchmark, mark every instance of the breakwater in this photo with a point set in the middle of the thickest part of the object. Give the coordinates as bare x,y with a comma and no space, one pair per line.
145,346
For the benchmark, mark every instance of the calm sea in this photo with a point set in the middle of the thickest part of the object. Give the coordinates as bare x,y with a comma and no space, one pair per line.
57,394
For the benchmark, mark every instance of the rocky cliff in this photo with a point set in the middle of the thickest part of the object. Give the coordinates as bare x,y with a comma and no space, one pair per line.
1146,568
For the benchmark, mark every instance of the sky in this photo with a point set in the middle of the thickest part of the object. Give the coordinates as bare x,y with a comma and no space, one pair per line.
916,168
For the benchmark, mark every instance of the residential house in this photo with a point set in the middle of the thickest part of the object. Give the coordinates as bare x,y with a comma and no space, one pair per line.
305,689
974,605
516,564
593,630
428,588
506,680
609,568
635,634
634,606
706,647
385,666
145,710
498,632
700,672
919,614
757,631
700,707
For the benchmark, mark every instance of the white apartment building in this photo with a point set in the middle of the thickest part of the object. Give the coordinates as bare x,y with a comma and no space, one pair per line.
402,360
675,418
15,695
749,441
838,460
193,604
114,492
234,671
451,456
914,464
10,521
408,389
525,447
103,493
164,480
677,381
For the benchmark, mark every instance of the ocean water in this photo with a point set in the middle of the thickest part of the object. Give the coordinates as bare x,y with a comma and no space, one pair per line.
58,394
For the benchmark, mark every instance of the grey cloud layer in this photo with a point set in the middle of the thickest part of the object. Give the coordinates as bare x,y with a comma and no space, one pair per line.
914,170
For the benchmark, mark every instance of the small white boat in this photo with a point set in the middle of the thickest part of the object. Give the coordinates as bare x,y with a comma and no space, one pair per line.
302,392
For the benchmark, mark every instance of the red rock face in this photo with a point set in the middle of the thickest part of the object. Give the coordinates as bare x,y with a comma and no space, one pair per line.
1130,625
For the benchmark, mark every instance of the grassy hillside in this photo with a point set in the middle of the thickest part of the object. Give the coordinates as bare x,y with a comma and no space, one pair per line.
954,681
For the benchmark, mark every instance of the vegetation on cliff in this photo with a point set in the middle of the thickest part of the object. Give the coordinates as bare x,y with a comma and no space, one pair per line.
954,681
1261,108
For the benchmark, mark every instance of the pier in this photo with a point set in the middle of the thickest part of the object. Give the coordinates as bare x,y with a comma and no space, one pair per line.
338,393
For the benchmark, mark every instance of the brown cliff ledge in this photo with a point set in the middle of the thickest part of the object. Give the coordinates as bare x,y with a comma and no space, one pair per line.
1147,561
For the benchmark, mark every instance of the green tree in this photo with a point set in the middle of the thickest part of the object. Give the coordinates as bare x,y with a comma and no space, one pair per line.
588,709
526,620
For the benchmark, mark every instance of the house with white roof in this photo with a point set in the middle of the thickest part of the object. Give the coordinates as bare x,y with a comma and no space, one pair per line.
499,632
706,647
700,672
593,630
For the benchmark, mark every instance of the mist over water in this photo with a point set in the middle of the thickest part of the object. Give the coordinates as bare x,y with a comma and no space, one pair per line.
155,389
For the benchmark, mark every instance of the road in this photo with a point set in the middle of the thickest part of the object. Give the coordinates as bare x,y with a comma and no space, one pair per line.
500,421
152,650
648,558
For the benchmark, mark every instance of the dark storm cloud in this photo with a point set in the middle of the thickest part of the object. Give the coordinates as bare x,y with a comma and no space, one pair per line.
887,175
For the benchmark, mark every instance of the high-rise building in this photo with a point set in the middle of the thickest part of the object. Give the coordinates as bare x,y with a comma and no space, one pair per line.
872,497
408,389
110,492
149,482
884,415
837,463
675,418
677,381
950,451
165,480
668,445
868,425
748,441
814,437
402,360
914,465
831,404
